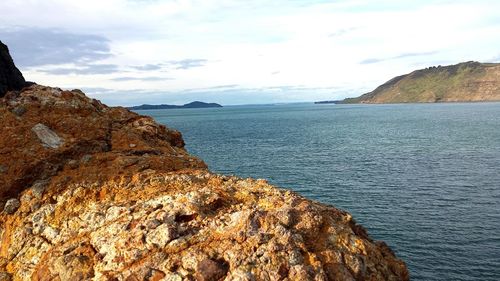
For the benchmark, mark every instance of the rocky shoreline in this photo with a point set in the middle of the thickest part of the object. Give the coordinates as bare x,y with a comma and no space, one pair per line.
91,192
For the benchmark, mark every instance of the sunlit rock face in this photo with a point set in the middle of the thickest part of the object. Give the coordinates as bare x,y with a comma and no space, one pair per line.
90,192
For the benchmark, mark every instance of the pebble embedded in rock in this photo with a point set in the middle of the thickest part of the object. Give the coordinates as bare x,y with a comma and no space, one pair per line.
11,206
210,270
48,137
19,111
295,257
38,188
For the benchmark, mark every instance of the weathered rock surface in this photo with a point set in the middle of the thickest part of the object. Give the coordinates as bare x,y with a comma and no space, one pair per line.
92,192
10,77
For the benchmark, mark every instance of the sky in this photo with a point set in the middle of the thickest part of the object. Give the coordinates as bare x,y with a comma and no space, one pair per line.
130,52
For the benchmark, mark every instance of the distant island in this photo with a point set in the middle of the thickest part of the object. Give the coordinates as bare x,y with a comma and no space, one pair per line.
327,101
194,104
464,82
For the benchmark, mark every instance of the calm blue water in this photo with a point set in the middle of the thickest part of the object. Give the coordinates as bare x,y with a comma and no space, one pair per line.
424,178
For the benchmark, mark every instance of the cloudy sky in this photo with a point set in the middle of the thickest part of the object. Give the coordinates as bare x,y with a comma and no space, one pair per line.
127,52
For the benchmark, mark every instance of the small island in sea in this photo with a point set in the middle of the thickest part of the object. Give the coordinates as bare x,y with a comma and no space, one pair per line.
326,101
194,104
464,82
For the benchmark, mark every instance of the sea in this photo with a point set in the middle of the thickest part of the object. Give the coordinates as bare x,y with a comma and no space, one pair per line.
424,178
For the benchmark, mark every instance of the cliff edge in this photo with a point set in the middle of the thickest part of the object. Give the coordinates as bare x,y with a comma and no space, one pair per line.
91,192
464,82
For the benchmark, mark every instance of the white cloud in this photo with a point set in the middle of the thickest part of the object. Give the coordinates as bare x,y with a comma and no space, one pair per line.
256,44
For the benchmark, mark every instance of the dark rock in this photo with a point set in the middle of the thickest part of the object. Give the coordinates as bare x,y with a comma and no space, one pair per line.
11,206
210,270
11,79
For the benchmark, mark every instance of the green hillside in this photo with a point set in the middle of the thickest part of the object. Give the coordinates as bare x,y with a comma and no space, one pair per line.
468,81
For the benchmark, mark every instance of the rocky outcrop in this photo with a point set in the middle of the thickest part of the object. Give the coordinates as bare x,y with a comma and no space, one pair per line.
90,192
463,82
48,132
10,77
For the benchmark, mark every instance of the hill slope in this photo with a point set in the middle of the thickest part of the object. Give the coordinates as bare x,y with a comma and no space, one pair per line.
463,82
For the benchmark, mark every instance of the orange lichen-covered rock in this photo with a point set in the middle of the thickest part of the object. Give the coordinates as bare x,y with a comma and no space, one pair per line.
90,192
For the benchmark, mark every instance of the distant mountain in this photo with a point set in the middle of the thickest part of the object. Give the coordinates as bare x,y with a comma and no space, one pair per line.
194,104
463,82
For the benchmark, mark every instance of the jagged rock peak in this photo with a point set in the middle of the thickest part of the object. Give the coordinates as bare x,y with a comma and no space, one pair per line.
11,79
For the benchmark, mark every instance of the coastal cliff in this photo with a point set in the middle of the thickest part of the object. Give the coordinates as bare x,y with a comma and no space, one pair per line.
463,82
91,192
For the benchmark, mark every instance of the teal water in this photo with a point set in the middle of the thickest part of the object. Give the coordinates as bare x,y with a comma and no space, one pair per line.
425,178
